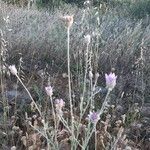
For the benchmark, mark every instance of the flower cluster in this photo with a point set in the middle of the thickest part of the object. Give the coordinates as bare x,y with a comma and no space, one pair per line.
110,81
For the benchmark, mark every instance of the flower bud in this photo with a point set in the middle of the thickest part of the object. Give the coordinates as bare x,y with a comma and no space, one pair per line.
49,90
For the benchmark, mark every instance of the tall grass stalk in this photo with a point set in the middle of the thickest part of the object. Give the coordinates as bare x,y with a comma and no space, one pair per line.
29,95
92,100
85,79
69,84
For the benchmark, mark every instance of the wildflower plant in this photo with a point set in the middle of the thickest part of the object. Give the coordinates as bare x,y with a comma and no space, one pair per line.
80,123
110,81
94,117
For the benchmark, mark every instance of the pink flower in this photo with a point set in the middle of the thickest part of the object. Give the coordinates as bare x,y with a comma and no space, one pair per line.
49,90
94,117
13,69
110,80
59,103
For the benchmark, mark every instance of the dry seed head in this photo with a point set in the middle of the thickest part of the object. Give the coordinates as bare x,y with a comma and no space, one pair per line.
68,20
13,69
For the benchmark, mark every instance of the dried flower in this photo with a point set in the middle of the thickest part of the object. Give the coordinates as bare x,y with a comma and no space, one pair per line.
110,80
13,69
59,104
87,39
68,20
49,90
94,117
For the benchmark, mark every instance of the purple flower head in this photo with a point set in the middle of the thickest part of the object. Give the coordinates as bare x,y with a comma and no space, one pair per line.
49,90
94,117
110,80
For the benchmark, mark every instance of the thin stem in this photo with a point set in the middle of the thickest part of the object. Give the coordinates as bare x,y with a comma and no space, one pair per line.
4,100
55,124
95,139
44,135
66,125
84,83
104,103
92,101
69,80
29,94
17,90
88,137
